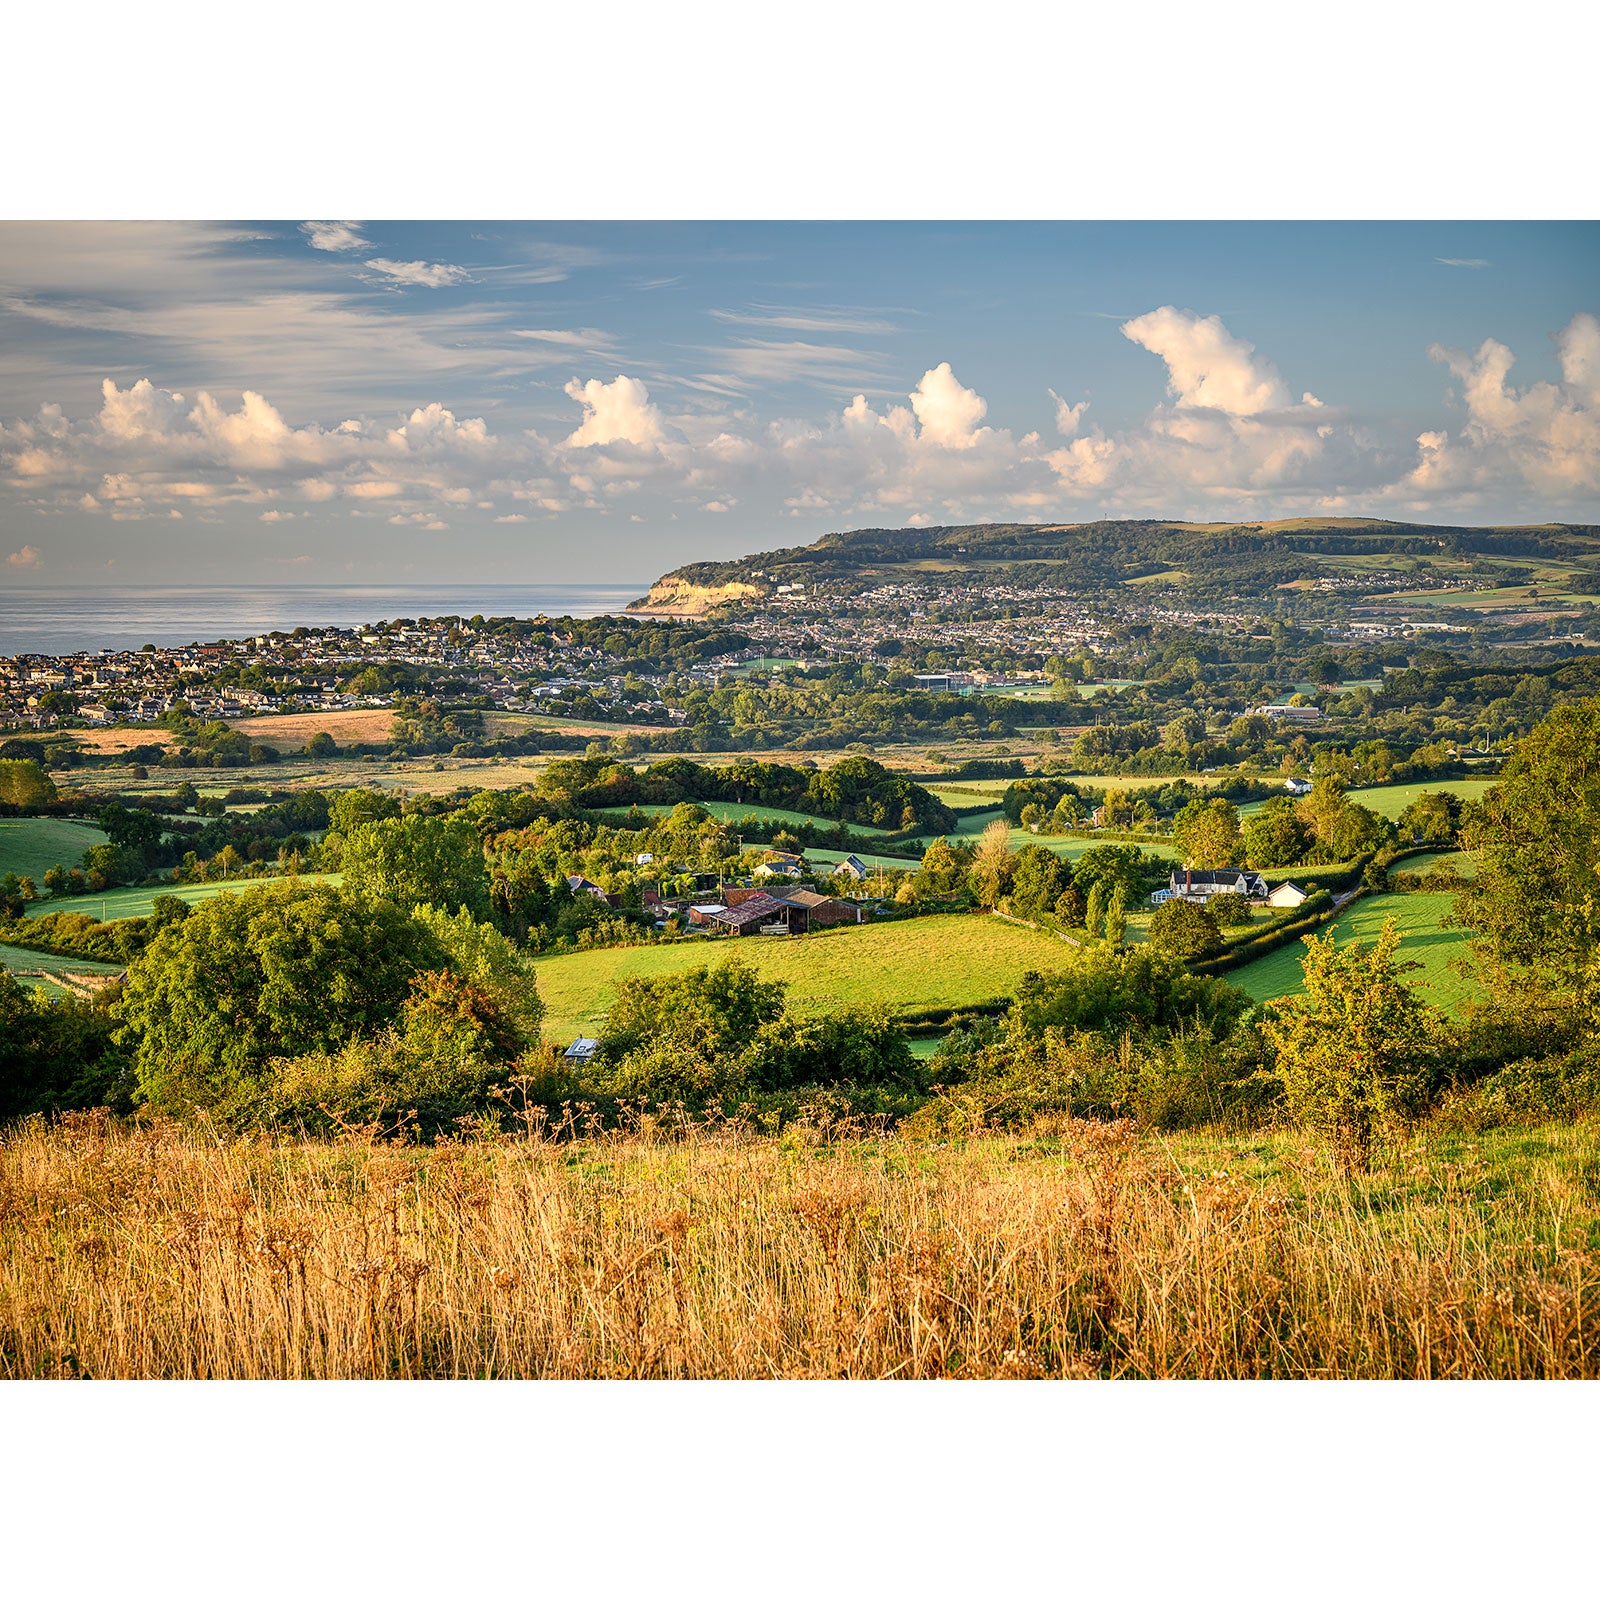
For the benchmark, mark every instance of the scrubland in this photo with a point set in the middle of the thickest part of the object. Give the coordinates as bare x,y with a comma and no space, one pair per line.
677,1248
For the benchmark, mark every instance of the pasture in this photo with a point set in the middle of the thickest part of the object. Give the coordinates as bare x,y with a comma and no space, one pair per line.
16,959
921,964
1465,862
1425,941
116,904
1391,799
30,846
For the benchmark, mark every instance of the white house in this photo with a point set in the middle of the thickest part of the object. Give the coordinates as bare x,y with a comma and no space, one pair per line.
1199,887
1297,785
1287,894
852,867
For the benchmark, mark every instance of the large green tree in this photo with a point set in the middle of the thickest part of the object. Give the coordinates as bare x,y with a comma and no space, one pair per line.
419,861
1207,832
1536,898
273,971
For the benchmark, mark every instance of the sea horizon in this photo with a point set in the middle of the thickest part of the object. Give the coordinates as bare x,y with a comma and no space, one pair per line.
63,619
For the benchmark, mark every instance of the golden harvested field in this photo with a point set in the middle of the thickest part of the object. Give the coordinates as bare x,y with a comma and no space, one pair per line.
289,730
1077,1250
113,741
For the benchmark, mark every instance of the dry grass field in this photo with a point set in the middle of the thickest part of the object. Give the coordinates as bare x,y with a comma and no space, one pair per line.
289,730
1079,1250
114,741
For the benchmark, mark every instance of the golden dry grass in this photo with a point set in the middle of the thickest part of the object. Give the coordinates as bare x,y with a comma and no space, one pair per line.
289,730
113,741
1082,1250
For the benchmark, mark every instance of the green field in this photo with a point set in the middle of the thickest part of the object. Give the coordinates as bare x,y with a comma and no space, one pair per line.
916,965
14,958
733,811
116,904
1465,862
908,862
1425,941
30,846
1391,799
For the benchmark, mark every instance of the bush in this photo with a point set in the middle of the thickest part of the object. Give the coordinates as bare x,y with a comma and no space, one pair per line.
442,1063
1358,1053
1185,930
1529,1091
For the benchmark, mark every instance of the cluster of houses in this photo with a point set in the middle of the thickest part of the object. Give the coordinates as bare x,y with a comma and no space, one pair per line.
718,907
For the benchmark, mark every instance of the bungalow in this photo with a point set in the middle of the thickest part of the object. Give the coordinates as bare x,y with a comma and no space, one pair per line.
778,869
853,867
1198,887
1287,894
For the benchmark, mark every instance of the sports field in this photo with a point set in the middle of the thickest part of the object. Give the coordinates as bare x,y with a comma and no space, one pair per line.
920,964
116,904
30,846
1425,942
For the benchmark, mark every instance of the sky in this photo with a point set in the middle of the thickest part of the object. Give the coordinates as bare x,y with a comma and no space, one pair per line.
354,401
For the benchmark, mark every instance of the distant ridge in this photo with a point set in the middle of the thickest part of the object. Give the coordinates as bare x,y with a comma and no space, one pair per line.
1230,558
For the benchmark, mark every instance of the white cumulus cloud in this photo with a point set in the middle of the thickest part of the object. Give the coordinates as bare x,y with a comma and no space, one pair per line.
1545,437
619,412
1207,365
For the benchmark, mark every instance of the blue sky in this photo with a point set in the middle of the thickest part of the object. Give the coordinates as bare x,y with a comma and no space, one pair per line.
367,401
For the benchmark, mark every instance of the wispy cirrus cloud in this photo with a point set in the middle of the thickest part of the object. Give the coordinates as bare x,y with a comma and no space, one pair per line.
419,274
814,319
1470,262
335,236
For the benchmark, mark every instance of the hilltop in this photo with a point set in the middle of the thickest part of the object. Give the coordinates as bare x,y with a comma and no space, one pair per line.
1207,561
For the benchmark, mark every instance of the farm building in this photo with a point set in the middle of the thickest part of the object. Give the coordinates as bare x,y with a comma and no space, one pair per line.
1287,894
807,908
581,1050
754,912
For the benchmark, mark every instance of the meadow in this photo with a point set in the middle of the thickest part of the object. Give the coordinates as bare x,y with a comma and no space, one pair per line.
30,846
1425,941
115,904
921,964
20,961
1391,799
683,1250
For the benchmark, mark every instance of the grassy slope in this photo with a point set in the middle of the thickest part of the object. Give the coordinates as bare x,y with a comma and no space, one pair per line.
920,964
120,903
30,846
1425,941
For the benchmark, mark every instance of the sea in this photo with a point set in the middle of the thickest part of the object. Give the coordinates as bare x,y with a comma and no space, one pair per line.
46,621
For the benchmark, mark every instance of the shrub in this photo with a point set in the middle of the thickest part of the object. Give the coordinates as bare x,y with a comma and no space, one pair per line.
1359,1051
1185,930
